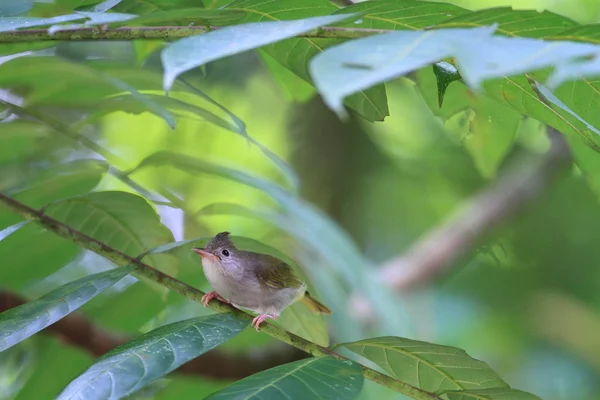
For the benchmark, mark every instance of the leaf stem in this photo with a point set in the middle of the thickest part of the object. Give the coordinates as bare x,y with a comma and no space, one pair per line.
161,33
143,270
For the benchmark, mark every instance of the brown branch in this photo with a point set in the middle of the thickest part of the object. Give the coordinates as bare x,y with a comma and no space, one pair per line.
76,330
161,33
523,181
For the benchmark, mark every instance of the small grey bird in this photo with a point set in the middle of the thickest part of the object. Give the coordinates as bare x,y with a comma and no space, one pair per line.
254,281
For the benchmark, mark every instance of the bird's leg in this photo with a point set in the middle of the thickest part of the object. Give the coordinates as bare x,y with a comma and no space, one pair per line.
260,319
212,295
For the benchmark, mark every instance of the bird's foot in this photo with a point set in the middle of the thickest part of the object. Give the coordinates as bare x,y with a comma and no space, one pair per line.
260,319
212,295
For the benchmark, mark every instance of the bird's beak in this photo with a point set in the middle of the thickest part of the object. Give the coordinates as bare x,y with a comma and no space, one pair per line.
203,253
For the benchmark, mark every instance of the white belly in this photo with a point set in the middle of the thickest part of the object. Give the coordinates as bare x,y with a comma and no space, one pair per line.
246,292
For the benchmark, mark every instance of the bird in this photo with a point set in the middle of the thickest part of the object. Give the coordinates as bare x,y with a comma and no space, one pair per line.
254,281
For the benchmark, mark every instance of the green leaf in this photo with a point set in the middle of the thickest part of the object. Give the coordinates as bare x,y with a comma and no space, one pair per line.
12,229
186,16
21,322
192,52
121,220
490,394
145,7
130,367
24,262
445,74
295,53
487,131
315,378
149,103
431,367
401,14
295,88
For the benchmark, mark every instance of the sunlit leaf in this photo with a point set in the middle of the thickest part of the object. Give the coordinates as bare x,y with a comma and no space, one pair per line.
317,378
445,74
21,322
192,52
431,367
130,367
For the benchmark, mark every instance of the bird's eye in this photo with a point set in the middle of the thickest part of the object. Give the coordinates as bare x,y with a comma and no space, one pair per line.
225,252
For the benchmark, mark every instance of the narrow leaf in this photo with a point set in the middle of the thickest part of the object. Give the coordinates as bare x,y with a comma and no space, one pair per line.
431,367
133,365
19,323
147,101
314,378
192,52
12,229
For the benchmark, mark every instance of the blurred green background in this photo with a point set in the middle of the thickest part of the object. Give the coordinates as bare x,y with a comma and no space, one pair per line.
526,300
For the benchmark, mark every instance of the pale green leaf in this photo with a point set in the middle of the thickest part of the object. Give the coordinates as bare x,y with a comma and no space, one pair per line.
12,229
192,52
431,367
21,322
314,378
133,365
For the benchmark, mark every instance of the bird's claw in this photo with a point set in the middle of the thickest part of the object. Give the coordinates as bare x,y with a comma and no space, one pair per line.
260,319
210,296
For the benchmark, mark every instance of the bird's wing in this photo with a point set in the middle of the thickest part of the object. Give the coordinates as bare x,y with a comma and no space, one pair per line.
277,274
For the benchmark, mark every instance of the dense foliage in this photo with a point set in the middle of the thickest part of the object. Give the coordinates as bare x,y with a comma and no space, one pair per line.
133,131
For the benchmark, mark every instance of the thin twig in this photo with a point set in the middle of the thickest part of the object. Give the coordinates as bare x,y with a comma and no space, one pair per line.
78,331
145,271
509,194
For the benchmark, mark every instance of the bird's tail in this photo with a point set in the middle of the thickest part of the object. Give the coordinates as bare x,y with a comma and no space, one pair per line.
314,305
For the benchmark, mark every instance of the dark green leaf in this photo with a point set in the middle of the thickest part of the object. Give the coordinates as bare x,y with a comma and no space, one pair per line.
192,52
487,131
431,367
362,63
295,53
401,14
315,378
491,394
145,7
131,366
445,74
21,322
